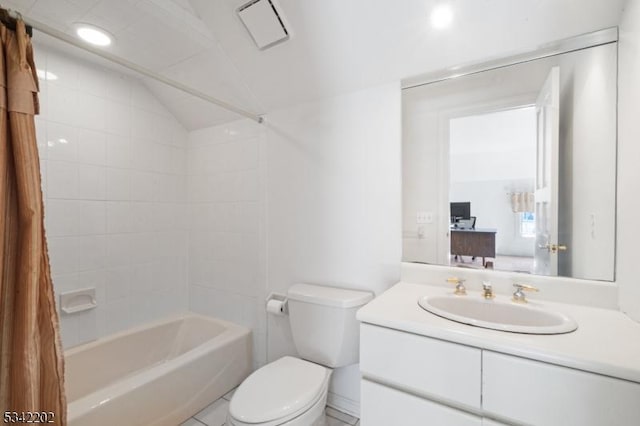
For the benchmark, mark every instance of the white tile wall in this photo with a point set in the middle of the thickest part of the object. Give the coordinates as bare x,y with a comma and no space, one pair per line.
226,254
628,172
113,165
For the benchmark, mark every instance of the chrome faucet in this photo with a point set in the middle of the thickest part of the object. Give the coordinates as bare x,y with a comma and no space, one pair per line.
487,290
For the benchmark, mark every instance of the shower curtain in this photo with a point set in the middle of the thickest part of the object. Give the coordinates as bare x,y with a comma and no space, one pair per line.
31,363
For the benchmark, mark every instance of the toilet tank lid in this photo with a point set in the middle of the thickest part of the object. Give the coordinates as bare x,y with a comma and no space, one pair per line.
329,296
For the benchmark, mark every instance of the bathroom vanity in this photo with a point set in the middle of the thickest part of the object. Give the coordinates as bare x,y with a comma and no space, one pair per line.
421,369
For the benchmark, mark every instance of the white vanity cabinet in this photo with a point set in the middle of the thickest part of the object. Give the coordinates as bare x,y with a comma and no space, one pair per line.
446,371
533,392
384,406
410,379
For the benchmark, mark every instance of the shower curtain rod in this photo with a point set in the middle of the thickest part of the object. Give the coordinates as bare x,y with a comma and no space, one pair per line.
131,65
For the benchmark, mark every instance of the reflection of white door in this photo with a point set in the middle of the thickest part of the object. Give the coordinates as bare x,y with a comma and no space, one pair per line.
546,192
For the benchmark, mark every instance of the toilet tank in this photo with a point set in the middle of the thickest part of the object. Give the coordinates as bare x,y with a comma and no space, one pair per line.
323,323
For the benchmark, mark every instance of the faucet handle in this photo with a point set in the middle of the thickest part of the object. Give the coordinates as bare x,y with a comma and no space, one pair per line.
518,295
460,288
487,290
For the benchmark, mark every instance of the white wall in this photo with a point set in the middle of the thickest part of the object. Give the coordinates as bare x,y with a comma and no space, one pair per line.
587,164
113,169
312,196
333,188
226,222
628,155
499,145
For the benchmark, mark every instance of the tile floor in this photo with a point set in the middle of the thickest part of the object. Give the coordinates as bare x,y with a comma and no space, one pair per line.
216,414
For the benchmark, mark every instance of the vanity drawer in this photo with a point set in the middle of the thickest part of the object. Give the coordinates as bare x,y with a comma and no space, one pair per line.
537,393
429,367
383,406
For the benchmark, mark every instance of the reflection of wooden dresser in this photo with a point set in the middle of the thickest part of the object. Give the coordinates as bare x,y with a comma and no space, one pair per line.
474,242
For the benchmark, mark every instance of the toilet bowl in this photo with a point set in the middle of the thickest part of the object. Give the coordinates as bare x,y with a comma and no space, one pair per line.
293,391
287,392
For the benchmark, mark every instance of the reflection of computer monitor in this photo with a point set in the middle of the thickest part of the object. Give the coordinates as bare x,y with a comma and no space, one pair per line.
460,211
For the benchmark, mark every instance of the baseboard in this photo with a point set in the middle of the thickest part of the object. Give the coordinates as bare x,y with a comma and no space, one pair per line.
343,404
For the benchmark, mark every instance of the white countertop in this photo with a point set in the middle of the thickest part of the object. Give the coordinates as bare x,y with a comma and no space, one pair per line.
606,341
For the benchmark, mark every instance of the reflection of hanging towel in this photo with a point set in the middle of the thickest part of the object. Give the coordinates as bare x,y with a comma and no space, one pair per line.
522,202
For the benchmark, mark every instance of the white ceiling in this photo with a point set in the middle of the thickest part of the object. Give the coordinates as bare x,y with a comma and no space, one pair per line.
336,46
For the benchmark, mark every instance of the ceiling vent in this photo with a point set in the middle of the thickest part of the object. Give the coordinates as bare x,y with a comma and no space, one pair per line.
264,23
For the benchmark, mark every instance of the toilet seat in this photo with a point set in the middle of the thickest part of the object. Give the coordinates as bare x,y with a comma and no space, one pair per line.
278,392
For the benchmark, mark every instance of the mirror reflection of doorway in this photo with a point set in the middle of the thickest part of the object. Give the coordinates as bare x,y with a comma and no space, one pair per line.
492,173
574,215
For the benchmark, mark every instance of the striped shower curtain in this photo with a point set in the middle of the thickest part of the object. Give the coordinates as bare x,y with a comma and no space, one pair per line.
31,363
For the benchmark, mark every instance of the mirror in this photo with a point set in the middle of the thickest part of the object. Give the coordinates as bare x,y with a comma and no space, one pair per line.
514,168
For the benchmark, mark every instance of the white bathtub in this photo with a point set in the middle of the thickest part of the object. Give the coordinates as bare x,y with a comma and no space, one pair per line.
158,374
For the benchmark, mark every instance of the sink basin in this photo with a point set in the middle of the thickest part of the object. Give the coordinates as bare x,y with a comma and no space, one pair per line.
498,315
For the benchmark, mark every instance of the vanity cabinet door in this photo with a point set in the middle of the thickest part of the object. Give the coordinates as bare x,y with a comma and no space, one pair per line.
428,367
383,406
537,393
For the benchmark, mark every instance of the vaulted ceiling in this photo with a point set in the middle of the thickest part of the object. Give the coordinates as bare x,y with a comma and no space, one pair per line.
336,46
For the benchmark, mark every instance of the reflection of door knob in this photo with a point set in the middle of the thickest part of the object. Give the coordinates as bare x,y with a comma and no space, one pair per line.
558,247
554,248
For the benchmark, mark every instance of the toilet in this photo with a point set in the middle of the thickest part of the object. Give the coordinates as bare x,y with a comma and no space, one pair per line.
293,391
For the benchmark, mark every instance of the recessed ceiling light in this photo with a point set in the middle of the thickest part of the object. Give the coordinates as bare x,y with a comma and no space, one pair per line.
441,16
46,75
93,35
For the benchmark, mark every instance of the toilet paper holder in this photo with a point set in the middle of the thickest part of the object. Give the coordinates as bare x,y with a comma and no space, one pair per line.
277,304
